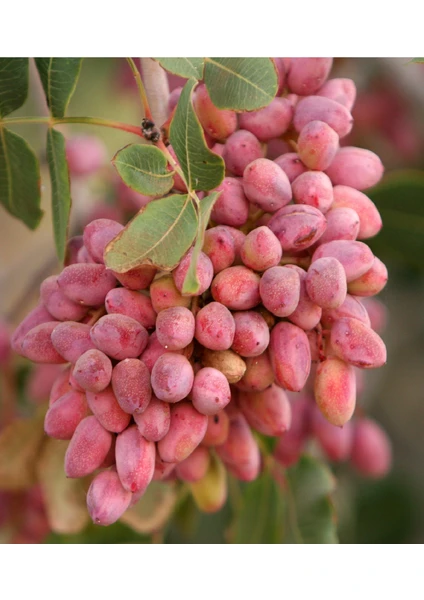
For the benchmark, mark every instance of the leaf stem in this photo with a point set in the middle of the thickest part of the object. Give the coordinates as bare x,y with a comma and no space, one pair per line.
141,90
83,120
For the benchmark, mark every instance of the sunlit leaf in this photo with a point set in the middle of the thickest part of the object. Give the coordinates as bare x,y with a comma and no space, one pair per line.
184,67
144,169
59,77
191,283
160,234
203,170
241,84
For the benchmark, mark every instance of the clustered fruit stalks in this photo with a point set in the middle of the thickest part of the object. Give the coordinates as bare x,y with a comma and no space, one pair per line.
162,385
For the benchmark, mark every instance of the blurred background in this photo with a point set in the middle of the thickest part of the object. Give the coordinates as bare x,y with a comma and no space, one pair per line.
389,120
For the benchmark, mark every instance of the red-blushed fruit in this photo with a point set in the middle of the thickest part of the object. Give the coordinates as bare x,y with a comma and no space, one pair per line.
290,356
219,124
136,305
38,347
187,430
219,246
58,305
61,386
297,226
315,189
195,466
307,314
84,257
269,122
279,289
335,390
356,257
318,108
290,445
269,411
238,239
371,450
87,449
173,98
351,307
135,460
119,336
291,165
371,282
204,271
210,492
175,327
261,249
109,461
342,224
240,149
355,167
342,90
217,429
154,349
131,385
172,377
356,343
210,392
282,70
107,410
317,145
37,316
137,279
240,451
370,221
153,423
93,371
63,417
215,327
258,376
164,294
266,185
251,336
86,284
72,340
97,236
307,75
236,288
85,154
232,206
107,500
326,282
335,442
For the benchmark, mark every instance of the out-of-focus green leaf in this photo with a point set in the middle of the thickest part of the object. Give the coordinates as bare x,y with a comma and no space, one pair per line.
241,84
65,498
13,84
210,492
191,283
400,200
417,60
59,77
19,179
144,169
153,509
61,190
160,234
310,515
203,170
260,518
184,67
